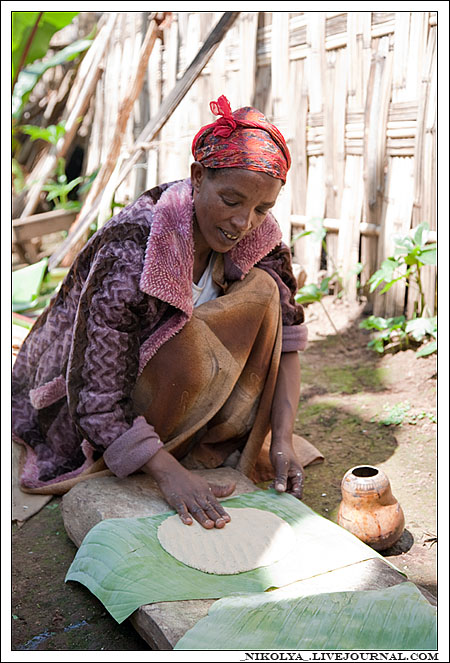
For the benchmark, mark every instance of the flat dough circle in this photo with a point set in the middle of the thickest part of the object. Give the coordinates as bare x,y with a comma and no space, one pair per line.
252,538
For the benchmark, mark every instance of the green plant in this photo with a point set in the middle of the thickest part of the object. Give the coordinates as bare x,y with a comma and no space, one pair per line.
31,34
312,293
50,134
402,331
318,234
18,176
29,76
387,330
410,256
395,414
419,329
400,413
58,191
422,415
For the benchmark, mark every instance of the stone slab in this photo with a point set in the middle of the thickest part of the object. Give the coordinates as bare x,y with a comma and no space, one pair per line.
89,502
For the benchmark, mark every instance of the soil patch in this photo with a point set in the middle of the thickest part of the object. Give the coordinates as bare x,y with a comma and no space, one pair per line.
47,613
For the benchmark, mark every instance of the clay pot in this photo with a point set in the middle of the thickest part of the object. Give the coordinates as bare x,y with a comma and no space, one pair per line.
368,509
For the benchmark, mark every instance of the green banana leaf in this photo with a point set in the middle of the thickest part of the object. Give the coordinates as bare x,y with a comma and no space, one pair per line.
22,28
123,564
23,321
26,285
29,76
398,618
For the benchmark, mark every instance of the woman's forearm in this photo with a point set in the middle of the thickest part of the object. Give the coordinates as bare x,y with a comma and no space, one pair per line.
287,467
286,397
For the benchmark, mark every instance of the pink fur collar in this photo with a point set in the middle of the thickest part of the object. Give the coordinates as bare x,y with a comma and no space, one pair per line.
169,255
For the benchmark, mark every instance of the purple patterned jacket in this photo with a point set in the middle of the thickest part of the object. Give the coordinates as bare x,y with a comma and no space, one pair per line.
127,292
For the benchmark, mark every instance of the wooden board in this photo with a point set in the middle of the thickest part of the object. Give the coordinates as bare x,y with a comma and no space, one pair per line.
161,625
36,225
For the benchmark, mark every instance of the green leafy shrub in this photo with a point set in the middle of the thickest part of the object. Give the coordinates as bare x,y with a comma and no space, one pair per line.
386,330
312,293
29,76
410,256
23,24
407,333
58,188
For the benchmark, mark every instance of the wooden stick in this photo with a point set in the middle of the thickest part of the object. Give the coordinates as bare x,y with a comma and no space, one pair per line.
125,108
78,109
181,88
154,126
26,49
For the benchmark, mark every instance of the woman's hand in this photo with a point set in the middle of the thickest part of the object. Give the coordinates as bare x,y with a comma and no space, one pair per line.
289,475
190,495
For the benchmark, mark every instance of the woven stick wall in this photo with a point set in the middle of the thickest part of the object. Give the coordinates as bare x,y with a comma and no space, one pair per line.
354,94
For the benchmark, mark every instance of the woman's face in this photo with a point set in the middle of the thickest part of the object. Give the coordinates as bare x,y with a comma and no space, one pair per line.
230,204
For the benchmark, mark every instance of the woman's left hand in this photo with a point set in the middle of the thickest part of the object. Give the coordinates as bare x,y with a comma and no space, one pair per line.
289,474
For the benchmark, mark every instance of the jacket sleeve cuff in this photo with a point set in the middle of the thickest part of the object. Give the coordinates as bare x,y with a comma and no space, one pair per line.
295,338
131,450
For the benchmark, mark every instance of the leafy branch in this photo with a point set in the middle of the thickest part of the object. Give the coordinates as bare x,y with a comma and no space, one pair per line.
58,191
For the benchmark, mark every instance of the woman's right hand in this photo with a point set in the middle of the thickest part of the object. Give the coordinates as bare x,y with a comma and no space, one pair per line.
190,495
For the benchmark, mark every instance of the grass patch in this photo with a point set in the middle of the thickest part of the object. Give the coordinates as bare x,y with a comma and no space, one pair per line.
344,380
400,413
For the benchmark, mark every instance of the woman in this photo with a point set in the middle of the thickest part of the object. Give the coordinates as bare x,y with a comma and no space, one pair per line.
174,335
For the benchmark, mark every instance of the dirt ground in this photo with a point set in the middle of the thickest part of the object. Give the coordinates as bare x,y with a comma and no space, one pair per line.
351,397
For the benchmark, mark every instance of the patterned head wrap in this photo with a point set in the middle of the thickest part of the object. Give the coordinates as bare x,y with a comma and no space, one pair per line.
243,139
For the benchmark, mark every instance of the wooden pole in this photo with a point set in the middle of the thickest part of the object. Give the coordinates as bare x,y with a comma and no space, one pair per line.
72,121
125,108
154,126
26,49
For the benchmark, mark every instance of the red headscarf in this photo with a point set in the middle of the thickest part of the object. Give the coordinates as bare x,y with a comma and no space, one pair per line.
243,139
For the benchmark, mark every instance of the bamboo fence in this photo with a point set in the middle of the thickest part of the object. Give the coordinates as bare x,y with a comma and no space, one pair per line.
354,93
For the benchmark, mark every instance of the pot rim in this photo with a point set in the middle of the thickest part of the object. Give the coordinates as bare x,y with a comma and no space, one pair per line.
365,466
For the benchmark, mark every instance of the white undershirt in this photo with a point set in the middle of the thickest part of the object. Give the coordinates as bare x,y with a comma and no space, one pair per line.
206,289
